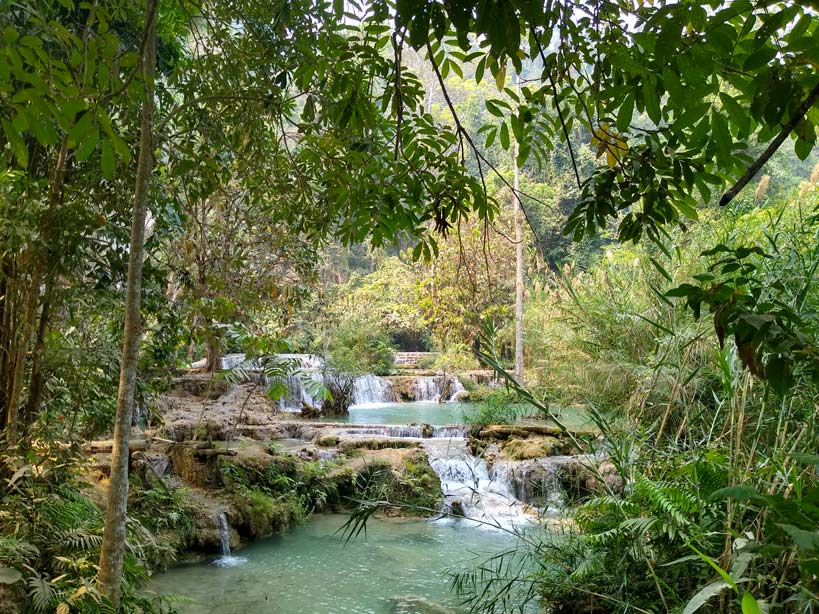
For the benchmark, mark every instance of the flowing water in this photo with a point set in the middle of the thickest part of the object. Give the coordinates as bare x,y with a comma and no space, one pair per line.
423,412
226,560
401,567
484,496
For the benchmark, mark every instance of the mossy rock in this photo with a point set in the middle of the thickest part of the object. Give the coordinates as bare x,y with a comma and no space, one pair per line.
533,447
203,386
376,443
326,441
260,515
194,467
416,487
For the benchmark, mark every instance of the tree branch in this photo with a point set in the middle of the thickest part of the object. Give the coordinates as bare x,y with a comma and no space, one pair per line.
754,168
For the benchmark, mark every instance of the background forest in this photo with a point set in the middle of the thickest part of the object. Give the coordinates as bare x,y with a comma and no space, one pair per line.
184,180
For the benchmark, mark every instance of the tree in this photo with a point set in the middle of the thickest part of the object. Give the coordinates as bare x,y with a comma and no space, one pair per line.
708,80
112,550
519,288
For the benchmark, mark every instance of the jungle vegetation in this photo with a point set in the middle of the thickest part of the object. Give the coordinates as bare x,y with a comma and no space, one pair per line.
182,179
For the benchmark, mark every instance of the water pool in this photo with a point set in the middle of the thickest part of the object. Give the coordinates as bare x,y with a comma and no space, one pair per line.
401,567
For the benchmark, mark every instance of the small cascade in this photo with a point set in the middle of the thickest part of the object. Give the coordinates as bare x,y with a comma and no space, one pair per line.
456,390
536,482
471,489
224,534
226,560
137,419
447,432
369,389
423,431
430,388
427,388
297,392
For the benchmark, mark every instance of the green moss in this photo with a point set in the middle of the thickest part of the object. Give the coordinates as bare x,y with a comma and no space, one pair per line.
261,515
416,487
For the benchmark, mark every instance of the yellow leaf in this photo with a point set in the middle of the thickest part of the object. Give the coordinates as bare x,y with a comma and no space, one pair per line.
608,142
63,608
500,78
78,593
611,159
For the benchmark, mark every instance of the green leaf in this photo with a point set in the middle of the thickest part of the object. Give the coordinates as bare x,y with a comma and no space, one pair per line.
652,100
804,540
802,148
740,493
808,459
759,58
778,373
479,69
625,114
9,575
704,595
108,163
739,117
17,144
749,604
721,136
79,131
504,136
88,145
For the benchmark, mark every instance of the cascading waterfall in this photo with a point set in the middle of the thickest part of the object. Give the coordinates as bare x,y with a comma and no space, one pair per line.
297,392
411,431
367,389
471,489
226,560
427,388
431,387
372,389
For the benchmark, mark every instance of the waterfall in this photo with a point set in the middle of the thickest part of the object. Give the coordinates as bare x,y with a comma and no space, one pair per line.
535,481
446,432
226,560
423,431
430,388
224,534
427,388
372,389
297,393
471,489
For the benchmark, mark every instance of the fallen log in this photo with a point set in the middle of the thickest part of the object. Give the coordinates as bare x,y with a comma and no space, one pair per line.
107,445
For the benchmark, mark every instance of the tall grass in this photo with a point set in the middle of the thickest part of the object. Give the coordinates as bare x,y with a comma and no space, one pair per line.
721,503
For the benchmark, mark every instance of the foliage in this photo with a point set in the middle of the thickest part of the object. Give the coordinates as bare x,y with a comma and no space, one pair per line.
299,486
51,531
706,82
718,507
496,408
357,346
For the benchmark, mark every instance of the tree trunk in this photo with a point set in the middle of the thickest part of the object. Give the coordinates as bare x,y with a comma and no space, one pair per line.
38,263
518,259
35,388
109,579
